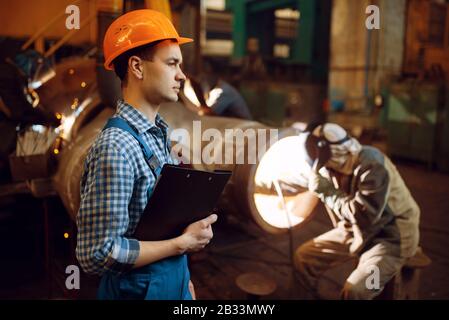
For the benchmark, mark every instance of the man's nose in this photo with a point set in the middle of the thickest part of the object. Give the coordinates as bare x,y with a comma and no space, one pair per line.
180,76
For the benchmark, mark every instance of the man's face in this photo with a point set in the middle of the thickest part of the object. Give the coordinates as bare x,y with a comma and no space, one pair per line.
345,165
162,76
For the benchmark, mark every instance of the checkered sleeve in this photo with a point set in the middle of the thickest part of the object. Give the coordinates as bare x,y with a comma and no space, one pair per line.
102,220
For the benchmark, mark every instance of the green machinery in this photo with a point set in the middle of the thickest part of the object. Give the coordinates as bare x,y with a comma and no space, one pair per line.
418,123
310,47
272,100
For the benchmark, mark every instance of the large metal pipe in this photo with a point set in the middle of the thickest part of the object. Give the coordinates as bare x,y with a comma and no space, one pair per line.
242,196
70,164
75,94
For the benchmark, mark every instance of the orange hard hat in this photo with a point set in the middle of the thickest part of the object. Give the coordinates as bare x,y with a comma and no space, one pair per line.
137,28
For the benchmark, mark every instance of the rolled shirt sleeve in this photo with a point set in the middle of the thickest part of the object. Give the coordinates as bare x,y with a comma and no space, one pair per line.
103,219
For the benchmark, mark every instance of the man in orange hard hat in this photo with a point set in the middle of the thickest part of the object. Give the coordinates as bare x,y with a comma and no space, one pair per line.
121,169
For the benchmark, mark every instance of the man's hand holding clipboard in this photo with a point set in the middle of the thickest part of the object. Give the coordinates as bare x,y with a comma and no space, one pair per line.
198,234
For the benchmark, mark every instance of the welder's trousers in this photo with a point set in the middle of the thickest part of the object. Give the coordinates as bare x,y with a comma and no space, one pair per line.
377,263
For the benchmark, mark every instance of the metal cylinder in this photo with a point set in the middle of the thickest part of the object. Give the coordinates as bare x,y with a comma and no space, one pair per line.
241,194
73,83
242,197
210,143
71,159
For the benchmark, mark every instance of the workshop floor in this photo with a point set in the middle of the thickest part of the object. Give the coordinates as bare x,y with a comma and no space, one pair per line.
239,248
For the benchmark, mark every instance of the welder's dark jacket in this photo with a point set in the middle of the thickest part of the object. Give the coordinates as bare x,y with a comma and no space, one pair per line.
372,198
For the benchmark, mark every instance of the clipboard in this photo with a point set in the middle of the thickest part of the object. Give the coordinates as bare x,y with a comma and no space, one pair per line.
181,196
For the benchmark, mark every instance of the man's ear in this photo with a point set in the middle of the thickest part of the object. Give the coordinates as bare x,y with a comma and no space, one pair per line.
135,66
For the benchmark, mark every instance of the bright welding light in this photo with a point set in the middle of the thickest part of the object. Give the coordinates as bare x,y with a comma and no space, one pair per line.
283,162
214,94
38,128
42,75
66,126
82,106
64,130
190,93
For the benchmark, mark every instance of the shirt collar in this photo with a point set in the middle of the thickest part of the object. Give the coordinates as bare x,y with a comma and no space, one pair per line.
138,120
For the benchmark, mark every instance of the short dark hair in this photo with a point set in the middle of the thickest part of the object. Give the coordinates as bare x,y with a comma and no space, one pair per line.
145,52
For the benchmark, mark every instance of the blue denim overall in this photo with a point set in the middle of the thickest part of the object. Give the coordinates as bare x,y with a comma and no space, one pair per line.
166,279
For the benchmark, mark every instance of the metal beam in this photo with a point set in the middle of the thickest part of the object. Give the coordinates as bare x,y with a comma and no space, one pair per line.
257,6
302,48
239,29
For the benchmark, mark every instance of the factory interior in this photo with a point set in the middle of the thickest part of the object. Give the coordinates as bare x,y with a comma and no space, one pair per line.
377,68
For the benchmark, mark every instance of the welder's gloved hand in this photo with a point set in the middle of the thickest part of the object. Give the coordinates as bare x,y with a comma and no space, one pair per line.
319,184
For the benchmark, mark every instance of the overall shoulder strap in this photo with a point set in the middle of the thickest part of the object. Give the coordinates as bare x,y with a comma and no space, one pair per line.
150,158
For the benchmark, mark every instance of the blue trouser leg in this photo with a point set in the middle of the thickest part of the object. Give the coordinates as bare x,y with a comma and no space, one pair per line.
167,279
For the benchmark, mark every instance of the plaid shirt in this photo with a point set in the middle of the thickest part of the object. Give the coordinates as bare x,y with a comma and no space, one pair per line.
114,188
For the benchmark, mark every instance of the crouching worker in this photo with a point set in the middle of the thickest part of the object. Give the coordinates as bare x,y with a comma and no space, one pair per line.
121,169
374,215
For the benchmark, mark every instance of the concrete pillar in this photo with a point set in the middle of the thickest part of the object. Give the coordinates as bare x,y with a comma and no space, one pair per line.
361,60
